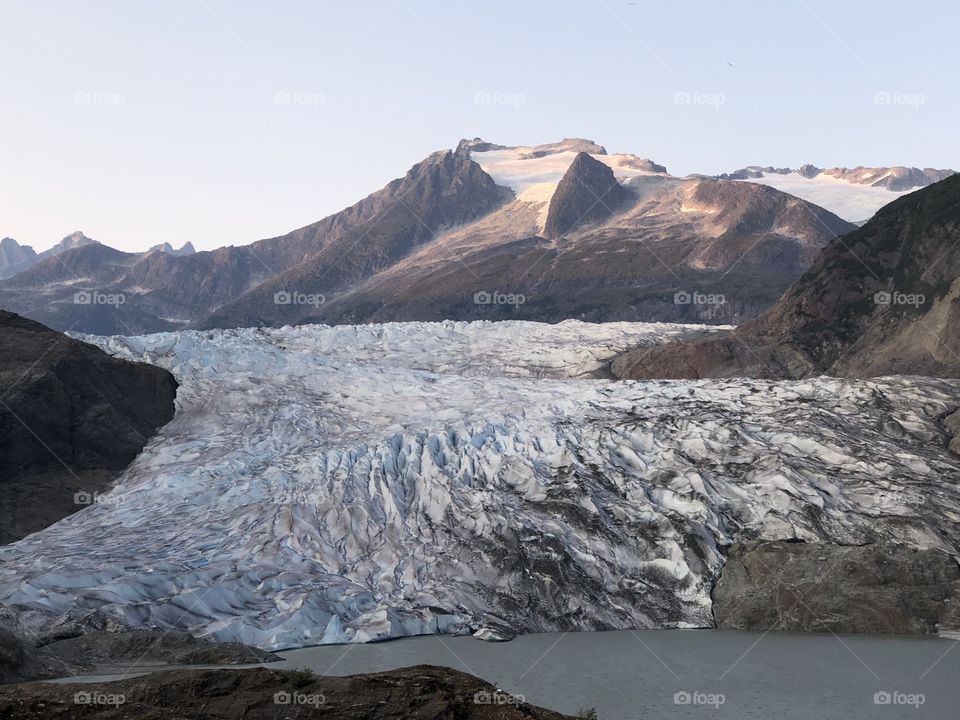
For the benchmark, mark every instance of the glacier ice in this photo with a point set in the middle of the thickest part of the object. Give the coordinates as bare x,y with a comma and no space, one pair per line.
355,483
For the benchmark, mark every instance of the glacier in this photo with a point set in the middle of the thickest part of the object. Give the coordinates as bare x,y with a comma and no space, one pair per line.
358,483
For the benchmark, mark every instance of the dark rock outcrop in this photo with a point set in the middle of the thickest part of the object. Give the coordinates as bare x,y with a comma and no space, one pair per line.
883,299
813,587
20,662
422,692
588,192
71,418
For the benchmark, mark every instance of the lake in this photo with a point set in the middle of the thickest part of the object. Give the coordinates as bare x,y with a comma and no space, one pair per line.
688,673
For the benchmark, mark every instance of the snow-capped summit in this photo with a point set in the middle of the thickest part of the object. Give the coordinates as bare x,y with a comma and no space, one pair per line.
523,167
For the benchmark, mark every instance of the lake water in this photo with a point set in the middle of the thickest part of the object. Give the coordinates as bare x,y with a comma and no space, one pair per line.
675,674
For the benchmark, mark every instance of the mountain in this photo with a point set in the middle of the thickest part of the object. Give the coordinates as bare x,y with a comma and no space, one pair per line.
854,194
71,418
75,239
186,249
444,191
878,301
15,258
157,291
592,236
486,231
587,192
356,483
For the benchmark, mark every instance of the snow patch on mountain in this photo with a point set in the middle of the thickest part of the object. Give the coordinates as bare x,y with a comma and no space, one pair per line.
852,202
355,483
513,167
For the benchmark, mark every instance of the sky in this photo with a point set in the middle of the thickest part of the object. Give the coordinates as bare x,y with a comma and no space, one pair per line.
223,122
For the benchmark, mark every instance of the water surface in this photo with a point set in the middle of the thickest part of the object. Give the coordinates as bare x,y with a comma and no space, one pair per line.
634,675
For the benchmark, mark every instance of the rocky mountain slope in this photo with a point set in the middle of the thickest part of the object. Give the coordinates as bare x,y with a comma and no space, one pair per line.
159,291
880,300
854,194
497,484
446,190
71,418
548,232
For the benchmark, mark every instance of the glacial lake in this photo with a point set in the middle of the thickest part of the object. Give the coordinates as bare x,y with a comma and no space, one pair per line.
673,674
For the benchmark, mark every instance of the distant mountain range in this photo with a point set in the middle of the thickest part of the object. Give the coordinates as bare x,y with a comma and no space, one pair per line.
484,231
882,300
15,258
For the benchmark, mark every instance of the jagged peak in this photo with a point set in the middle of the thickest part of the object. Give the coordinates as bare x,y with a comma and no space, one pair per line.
588,191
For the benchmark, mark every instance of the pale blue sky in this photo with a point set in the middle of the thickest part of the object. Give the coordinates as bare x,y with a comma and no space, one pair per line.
142,122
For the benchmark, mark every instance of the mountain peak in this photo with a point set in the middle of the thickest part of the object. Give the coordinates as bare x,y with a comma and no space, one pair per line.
587,192
73,240
14,257
466,146
165,247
